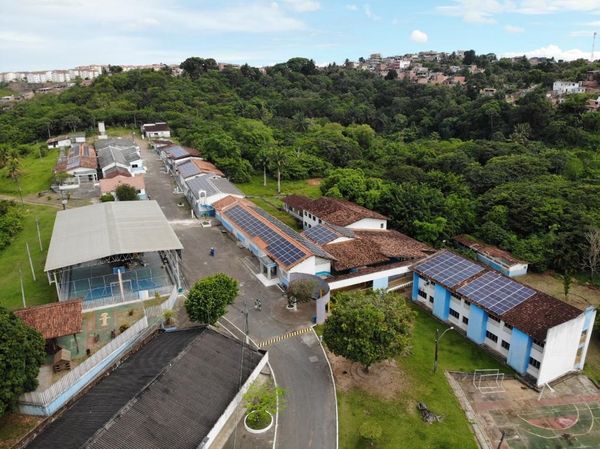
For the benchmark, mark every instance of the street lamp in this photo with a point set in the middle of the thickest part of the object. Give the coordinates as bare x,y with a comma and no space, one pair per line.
438,337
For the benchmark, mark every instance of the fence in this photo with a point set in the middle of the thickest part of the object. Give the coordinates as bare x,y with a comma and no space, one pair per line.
95,304
84,372
157,311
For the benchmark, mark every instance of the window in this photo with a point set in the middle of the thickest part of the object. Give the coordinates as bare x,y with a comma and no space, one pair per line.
467,303
381,225
491,336
494,318
539,343
431,299
505,344
454,313
465,320
422,294
533,362
310,226
320,221
508,326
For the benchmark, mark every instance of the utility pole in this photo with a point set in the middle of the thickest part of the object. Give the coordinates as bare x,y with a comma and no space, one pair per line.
438,337
593,45
37,225
22,288
30,261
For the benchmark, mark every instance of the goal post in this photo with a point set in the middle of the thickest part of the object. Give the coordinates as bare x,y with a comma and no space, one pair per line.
488,381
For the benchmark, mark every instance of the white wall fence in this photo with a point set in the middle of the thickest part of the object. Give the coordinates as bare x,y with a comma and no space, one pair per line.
156,311
111,301
39,402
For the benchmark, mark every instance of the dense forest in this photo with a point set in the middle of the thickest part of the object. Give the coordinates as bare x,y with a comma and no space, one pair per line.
438,160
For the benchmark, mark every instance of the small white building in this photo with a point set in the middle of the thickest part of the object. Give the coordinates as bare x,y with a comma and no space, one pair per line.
568,87
119,157
80,163
158,130
59,142
493,257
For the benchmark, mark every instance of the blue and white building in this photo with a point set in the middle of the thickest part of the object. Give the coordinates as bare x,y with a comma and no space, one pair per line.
204,190
539,336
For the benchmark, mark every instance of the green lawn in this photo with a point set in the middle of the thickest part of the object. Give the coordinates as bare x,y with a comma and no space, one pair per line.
402,425
592,361
15,256
116,131
36,175
5,91
267,197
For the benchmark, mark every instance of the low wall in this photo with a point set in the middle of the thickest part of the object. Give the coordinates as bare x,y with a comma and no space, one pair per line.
321,293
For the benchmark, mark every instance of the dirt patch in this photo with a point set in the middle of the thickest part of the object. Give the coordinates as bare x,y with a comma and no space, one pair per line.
580,296
560,423
384,380
14,426
314,181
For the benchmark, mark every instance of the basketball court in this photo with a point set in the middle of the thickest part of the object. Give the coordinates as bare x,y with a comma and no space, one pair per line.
566,415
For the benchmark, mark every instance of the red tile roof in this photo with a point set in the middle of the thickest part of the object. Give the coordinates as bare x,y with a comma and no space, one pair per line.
540,313
354,253
54,320
339,212
108,185
487,250
78,156
298,202
116,171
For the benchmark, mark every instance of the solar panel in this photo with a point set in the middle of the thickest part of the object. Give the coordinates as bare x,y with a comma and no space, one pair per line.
279,247
320,234
496,293
449,269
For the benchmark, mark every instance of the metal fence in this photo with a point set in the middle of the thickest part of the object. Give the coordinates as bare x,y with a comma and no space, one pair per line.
128,297
45,397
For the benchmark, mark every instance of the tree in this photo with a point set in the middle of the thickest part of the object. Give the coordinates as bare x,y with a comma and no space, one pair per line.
262,399
567,279
195,66
391,75
208,299
263,158
125,192
279,157
591,259
13,168
21,354
369,327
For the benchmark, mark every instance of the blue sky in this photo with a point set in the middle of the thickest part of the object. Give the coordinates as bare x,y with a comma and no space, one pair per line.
46,34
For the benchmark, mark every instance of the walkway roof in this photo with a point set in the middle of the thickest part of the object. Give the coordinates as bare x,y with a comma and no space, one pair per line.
106,229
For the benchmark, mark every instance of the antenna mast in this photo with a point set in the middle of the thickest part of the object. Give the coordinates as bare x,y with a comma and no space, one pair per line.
593,45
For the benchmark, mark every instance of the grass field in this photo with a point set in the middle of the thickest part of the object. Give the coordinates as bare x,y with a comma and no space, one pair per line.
402,425
14,426
4,91
580,295
15,257
267,197
116,131
36,175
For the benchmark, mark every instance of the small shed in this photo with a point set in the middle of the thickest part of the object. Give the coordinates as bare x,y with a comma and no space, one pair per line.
494,257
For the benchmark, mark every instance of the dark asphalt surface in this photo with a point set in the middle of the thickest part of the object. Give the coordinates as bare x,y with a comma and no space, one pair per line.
299,365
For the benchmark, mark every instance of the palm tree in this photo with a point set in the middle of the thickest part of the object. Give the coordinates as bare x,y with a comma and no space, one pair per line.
279,157
263,157
13,165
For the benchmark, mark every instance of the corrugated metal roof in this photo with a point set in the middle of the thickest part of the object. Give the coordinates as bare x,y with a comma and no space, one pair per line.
105,229
211,185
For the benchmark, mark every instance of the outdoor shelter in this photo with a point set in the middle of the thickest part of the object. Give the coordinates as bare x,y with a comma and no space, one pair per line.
122,250
54,320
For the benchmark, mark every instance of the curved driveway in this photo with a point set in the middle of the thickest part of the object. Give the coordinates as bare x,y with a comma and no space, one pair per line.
300,367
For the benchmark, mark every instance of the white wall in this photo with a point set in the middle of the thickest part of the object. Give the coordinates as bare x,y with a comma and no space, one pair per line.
561,346
306,266
335,285
368,223
322,265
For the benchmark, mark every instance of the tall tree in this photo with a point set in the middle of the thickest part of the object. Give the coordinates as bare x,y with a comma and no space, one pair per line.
208,298
279,157
591,259
369,327
13,166
125,192
21,354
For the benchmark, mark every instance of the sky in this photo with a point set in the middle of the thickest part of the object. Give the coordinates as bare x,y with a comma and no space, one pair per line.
54,34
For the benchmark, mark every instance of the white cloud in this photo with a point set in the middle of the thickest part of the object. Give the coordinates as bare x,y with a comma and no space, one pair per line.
553,51
369,12
484,11
419,37
352,7
303,5
513,29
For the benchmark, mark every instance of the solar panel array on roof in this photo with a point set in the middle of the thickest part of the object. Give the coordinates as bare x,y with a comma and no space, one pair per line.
449,269
496,292
177,152
320,234
279,247
188,169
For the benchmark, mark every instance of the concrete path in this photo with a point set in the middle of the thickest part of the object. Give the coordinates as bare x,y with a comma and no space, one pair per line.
299,364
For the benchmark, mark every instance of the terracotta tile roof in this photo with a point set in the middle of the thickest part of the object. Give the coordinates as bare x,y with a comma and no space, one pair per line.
207,167
298,202
116,171
78,156
540,313
487,250
340,212
54,320
375,247
110,185
368,270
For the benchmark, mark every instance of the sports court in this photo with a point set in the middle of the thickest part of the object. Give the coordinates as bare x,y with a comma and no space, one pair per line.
567,415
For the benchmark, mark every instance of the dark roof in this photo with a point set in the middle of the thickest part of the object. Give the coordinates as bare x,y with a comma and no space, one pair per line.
169,394
155,127
179,152
540,313
500,255
297,202
340,212
54,320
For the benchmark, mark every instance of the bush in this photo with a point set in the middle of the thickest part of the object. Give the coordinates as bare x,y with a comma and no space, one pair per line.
123,327
302,289
107,197
370,432
260,400
125,192
208,299
168,317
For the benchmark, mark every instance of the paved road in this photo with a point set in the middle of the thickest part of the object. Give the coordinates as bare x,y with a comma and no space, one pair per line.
299,365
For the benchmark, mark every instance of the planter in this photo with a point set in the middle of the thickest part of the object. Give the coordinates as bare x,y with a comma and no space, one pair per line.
258,431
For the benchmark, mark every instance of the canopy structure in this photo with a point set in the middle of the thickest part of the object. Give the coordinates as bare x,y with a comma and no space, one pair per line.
106,229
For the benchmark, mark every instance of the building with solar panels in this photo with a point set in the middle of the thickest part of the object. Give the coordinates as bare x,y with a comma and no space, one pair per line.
280,251
204,190
176,154
79,163
540,337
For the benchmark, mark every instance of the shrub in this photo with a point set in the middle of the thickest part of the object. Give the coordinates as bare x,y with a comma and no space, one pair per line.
123,327
370,432
107,197
260,400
